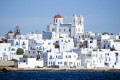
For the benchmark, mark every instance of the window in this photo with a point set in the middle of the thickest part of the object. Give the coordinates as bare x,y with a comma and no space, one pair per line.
59,57
58,62
51,63
33,52
66,56
116,54
48,43
53,29
23,43
3,53
116,59
56,41
4,49
108,54
12,49
106,59
56,20
17,43
50,56
69,30
68,40
109,59
112,46
59,30
36,47
64,30
69,56
61,40
40,48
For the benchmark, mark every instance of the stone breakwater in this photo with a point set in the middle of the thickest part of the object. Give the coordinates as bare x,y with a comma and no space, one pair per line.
53,69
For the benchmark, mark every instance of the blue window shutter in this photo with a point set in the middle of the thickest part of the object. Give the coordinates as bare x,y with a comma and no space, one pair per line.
112,46
106,59
17,43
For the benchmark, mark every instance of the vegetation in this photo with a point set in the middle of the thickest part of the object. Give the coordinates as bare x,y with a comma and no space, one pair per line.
25,56
38,67
112,49
105,33
15,60
20,51
56,46
54,66
60,37
111,33
4,40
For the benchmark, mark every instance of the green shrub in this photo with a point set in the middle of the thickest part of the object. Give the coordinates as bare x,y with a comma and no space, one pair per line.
25,56
20,51
15,60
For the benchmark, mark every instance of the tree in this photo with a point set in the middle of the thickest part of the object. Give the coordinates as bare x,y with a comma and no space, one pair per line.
20,51
25,56
15,60
105,33
4,40
111,33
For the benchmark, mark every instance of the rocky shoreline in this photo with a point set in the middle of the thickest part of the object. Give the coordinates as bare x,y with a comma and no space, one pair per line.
53,69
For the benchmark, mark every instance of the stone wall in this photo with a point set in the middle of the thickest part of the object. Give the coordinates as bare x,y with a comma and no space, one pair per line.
6,63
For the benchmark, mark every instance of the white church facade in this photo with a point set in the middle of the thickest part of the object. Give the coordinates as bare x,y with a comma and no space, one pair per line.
59,27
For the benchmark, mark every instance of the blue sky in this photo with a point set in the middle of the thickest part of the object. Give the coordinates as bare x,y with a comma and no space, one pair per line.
31,15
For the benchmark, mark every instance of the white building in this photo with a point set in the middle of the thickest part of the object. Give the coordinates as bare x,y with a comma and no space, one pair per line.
19,43
29,63
5,51
69,59
77,26
8,52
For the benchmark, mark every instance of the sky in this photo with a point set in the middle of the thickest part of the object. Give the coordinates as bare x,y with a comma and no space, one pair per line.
31,15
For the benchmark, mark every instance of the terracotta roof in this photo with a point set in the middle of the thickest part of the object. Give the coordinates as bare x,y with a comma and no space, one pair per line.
58,16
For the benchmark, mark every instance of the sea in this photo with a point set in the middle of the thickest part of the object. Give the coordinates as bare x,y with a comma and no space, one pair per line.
60,75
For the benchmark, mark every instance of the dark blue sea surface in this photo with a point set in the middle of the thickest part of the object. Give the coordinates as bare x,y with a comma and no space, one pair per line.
60,75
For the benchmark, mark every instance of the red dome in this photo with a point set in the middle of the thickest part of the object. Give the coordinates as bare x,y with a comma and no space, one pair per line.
58,16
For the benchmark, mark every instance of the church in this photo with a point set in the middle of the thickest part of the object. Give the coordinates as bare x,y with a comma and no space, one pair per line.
72,29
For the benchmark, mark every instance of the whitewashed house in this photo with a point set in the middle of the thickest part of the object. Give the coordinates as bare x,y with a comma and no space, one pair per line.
19,43
29,63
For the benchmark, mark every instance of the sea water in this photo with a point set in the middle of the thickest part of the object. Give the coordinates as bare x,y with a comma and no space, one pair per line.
60,75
